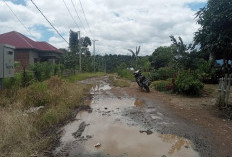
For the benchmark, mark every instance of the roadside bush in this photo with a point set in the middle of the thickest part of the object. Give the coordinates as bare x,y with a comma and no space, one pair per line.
36,95
125,73
187,84
147,75
43,71
27,78
13,82
22,79
161,85
162,73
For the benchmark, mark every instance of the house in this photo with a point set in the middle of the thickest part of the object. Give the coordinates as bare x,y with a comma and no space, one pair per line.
28,52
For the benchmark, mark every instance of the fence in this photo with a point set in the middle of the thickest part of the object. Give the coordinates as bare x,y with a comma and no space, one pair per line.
224,91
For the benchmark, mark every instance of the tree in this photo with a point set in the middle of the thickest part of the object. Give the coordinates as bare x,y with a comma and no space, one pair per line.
73,41
70,60
84,43
215,34
135,54
87,42
162,57
186,56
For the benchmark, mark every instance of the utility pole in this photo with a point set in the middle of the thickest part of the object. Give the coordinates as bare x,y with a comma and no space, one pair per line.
79,48
94,54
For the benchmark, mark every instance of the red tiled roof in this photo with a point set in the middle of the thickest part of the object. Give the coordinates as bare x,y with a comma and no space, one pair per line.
22,42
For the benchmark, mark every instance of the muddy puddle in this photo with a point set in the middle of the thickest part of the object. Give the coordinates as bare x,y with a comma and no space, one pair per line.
107,132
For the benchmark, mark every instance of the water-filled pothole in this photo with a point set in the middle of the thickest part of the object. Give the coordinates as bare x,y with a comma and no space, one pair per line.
106,126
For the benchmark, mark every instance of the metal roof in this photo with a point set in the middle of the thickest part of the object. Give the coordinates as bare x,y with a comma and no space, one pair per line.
20,41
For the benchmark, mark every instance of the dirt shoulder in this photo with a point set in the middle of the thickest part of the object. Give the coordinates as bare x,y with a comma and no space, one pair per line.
200,112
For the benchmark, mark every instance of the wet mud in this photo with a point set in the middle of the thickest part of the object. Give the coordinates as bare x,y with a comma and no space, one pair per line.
122,125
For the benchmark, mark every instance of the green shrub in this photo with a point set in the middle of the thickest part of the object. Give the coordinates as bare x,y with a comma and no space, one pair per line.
161,85
147,75
154,75
27,78
13,82
187,84
36,95
125,73
162,73
53,116
43,71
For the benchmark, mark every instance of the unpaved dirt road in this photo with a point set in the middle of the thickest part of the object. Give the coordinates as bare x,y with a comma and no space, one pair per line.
127,122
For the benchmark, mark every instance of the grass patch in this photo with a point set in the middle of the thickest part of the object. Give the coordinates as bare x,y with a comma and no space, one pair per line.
82,76
121,83
160,85
118,82
211,90
17,133
126,74
23,133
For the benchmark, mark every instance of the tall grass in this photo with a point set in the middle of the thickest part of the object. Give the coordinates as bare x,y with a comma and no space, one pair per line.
23,133
17,133
118,82
125,73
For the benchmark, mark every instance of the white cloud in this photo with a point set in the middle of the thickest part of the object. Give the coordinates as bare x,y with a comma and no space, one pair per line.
117,24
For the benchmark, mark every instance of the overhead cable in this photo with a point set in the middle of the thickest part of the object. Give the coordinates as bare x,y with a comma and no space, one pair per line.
49,22
78,15
18,19
71,15
85,17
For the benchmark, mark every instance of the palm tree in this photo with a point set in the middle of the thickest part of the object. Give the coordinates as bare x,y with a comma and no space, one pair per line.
135,54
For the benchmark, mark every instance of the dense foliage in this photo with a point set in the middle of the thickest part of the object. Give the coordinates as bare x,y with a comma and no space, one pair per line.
215,34
37,72
188,84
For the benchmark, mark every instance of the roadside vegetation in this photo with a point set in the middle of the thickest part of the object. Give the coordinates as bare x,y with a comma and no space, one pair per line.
118,82
31,109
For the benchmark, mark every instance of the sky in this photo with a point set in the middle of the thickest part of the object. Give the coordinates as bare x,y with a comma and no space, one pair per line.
118,25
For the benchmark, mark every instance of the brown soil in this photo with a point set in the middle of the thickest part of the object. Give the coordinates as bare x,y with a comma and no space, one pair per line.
200,111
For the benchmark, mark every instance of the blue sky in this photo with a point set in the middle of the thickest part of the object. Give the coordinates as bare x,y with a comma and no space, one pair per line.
45,31
195,6
22,2
117,24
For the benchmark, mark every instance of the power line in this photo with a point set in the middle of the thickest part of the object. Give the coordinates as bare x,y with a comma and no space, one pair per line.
85,17
78,15
71,14
49,22
18,19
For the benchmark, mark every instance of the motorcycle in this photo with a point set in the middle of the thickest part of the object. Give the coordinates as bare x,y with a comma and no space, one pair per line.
142,81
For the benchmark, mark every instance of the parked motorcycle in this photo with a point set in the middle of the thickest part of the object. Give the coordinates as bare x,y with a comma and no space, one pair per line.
142,81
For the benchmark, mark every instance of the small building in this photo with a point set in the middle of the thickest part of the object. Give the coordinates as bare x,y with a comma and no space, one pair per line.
28,52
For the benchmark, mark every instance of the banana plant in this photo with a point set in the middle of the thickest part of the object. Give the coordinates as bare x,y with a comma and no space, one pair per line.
136,53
